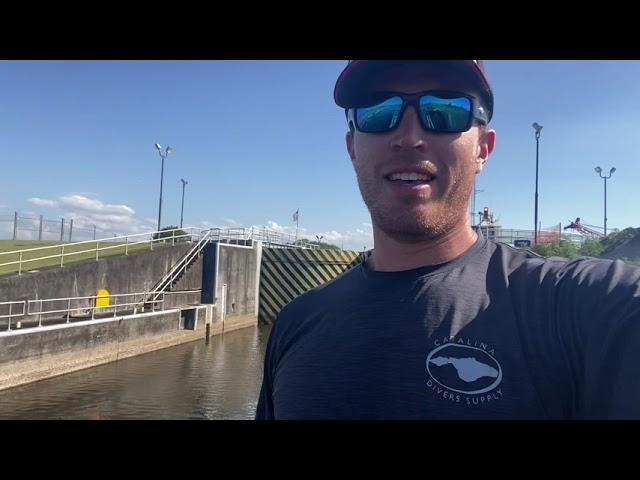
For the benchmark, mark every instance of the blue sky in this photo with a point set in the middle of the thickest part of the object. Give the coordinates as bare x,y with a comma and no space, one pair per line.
259,139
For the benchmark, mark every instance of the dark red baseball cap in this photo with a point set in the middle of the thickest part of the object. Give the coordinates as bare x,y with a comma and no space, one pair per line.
357,71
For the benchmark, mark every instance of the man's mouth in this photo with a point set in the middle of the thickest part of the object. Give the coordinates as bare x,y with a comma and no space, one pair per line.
410,178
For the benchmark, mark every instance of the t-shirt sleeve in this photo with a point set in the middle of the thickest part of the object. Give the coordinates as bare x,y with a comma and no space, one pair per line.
601,301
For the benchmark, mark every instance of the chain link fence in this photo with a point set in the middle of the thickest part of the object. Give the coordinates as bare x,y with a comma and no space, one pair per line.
23,227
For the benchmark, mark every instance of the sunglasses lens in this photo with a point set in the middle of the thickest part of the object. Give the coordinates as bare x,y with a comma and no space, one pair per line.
381,117
446,115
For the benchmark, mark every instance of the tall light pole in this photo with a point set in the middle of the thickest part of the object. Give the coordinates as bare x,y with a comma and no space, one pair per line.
599,172
537,128
163,156
319,237
473,209
184,182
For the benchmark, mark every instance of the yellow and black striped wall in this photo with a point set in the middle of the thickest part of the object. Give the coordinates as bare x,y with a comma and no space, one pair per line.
288,273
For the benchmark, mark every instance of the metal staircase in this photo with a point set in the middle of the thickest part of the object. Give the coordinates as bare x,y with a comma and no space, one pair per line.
179,269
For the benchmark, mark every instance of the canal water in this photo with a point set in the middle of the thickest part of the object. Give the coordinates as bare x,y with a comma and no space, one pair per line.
215,381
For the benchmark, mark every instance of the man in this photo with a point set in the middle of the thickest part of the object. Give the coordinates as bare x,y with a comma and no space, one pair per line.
439,323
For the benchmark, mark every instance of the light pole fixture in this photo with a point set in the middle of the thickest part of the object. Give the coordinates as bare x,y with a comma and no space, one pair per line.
599,172
163,156
184,183
537,128
475,194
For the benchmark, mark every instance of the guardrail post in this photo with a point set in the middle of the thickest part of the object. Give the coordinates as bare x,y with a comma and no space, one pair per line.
40,315
97,243
62,256
20,265
9,322
68,309
173,238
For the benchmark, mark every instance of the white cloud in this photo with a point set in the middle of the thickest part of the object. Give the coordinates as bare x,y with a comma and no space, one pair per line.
115,219
84,194
332,236
349,240
225,223
88,215
96,206
365,224
231,222
203,224
42,202
91,219
106,226
107,219
271,225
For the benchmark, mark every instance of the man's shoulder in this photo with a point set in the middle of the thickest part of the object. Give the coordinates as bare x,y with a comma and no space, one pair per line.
582,269
322,298
311,309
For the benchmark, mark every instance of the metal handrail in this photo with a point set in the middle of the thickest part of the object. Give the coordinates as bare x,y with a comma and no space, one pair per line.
27,310
11,315
183,292
110,239
69,309
192,233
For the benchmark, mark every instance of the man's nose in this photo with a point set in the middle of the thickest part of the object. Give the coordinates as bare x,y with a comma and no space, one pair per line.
410,134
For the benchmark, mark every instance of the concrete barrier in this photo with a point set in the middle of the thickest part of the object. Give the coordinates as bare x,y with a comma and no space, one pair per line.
36,354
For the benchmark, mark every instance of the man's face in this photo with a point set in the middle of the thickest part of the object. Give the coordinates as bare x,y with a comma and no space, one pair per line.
411,212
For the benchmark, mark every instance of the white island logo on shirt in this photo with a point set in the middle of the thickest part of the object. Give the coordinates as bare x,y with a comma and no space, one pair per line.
463,371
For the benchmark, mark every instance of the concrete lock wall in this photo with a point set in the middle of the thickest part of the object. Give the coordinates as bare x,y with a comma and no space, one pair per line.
28,355
35,354
238,268
136,272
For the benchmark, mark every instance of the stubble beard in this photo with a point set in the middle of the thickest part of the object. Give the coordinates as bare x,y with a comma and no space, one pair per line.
411,222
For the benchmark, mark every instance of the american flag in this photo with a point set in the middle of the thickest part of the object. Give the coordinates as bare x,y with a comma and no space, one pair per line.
296,215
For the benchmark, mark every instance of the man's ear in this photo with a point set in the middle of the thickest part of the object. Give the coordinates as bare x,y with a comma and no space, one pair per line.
350,146
485,148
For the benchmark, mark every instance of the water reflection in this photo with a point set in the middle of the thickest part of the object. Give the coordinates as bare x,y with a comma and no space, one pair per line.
219,380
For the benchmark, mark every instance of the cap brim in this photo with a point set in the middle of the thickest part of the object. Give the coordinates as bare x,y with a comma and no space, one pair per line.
347,86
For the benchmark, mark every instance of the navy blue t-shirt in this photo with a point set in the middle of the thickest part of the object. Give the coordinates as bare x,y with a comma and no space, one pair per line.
497,333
